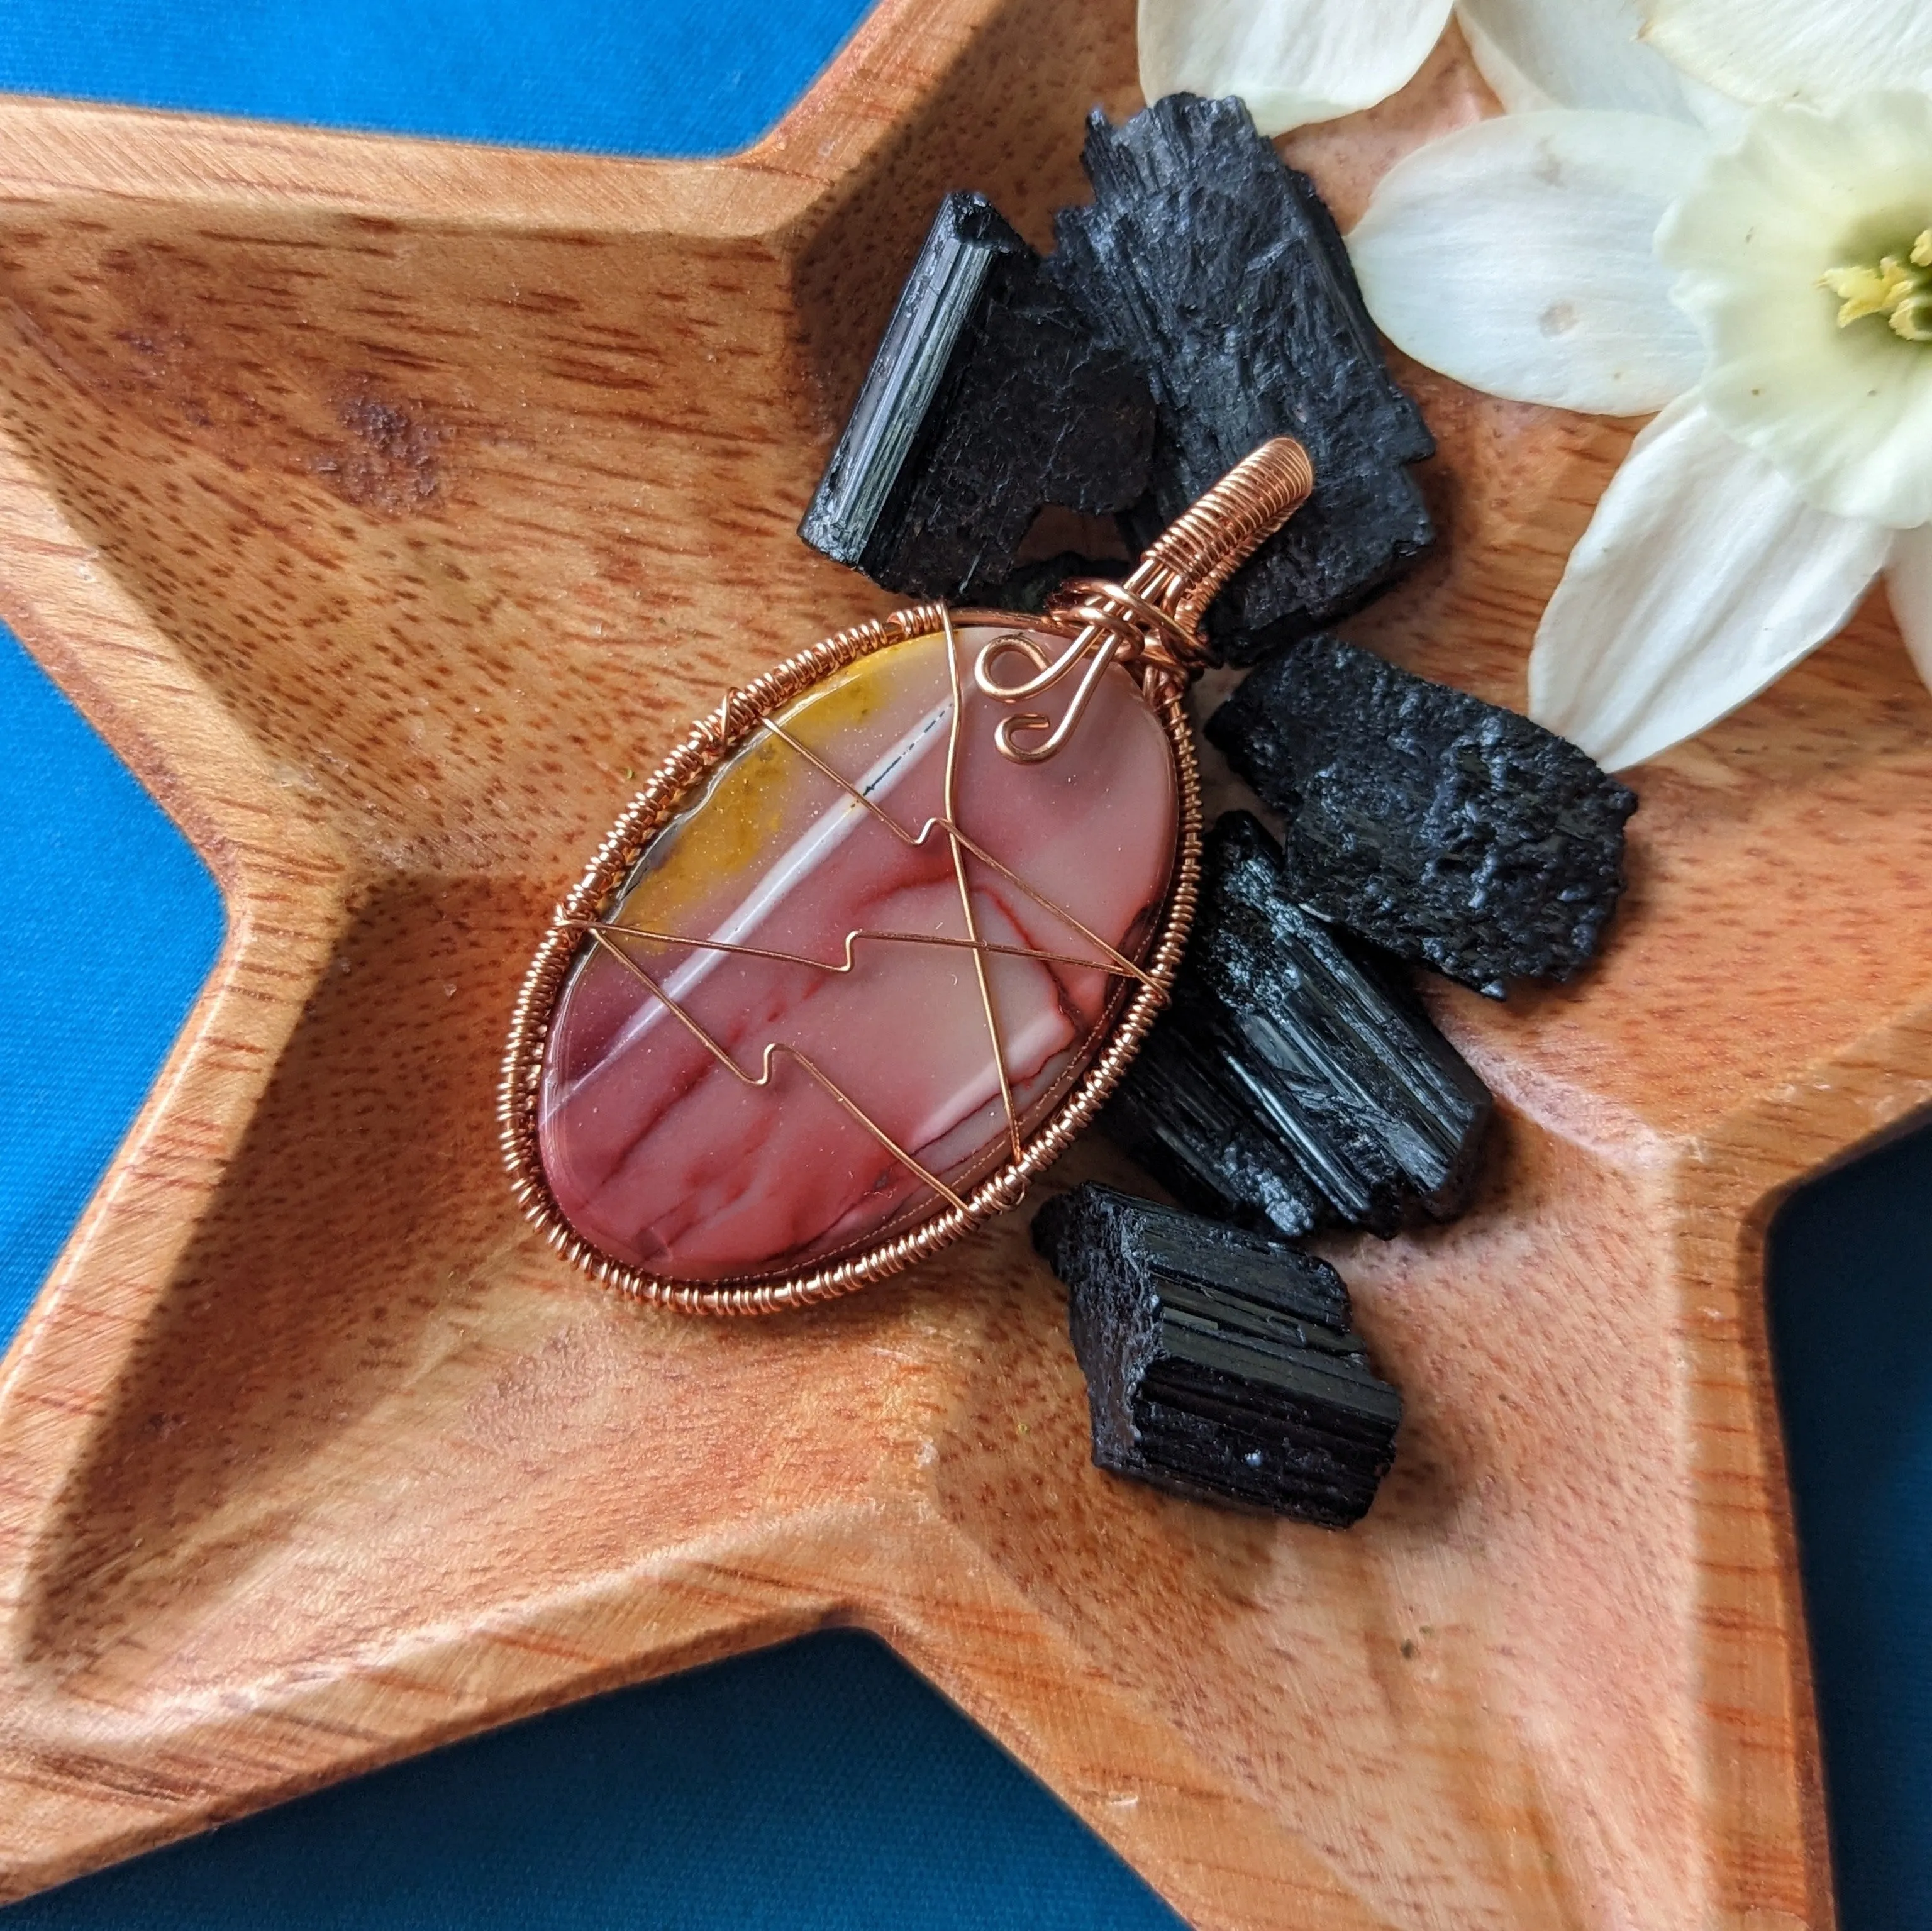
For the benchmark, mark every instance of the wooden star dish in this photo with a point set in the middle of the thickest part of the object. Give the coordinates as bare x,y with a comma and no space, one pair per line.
388,505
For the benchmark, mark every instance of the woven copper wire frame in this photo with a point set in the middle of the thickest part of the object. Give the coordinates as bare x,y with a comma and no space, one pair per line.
713,739
1193,557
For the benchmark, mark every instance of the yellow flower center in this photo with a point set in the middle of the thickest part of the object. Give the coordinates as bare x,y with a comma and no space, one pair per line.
1899,290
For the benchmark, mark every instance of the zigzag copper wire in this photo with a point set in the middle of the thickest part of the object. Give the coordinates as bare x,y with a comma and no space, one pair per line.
1122,964
763,1077
710,742
847,963
600,933
606,935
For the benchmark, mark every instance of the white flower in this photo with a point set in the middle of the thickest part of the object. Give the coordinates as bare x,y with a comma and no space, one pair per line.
1762,51
1811,205
1630,239
1515,255
1290,60
1294,62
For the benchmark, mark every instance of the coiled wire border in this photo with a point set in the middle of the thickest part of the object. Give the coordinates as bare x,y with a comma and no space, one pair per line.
713,739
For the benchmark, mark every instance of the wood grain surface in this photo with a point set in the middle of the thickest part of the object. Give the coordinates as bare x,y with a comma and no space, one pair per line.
388,505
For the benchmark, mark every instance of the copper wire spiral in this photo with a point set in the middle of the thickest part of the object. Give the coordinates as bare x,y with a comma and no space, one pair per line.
1151,623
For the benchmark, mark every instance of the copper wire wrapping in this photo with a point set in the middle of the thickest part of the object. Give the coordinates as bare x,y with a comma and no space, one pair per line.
711,741
1151,624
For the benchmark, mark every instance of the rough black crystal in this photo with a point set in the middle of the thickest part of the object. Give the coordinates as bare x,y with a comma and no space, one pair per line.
1030,585
1220,271
1218,1365
988,399
1201,1136
1439,826
1293,1078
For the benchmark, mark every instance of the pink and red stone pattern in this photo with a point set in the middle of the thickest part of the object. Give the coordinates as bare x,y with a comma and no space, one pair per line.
661,1155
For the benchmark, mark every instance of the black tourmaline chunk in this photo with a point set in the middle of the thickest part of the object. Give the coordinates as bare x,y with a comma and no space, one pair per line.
1028,587
988,399
1220,271
1191,1123
1436,825
1293,1078
1218,1365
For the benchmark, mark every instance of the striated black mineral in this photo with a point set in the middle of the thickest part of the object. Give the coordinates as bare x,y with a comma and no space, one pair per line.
1439,826
1218,270
989,398
1218,1365
1293,1077
1184,1114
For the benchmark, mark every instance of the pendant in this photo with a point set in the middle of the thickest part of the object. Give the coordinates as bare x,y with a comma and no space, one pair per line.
875,943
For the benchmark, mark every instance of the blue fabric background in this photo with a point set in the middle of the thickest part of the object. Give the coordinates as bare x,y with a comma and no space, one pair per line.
820,1785
653,77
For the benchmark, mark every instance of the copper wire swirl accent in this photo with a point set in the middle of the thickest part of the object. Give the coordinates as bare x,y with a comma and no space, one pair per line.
1150,625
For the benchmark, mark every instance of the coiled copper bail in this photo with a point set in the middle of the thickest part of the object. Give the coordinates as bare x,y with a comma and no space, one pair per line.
1150,625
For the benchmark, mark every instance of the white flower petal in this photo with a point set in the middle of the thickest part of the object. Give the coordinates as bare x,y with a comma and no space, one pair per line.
1722,115
1570,53
1845,413
1908,587
1703,576
1764,50
1515,255
1291,62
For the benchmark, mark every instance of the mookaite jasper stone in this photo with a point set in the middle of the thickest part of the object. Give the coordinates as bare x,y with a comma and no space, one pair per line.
662,1154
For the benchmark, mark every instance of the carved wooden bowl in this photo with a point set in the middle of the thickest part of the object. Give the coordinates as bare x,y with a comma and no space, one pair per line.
387,504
